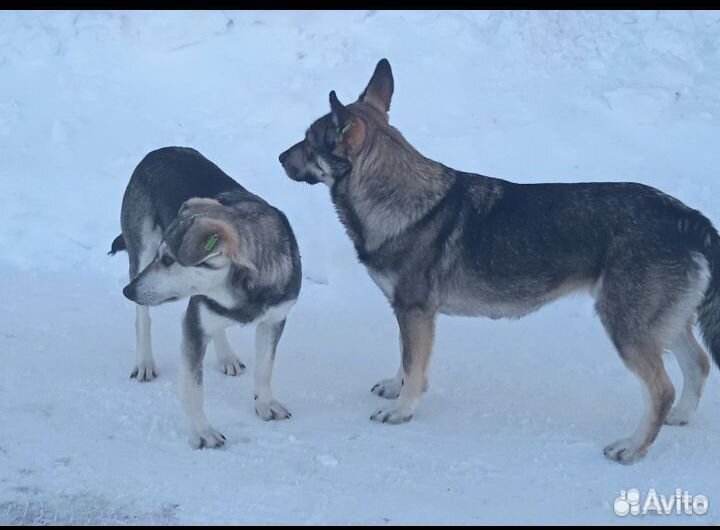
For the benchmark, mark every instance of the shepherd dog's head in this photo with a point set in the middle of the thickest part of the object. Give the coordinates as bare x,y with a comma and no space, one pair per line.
337,141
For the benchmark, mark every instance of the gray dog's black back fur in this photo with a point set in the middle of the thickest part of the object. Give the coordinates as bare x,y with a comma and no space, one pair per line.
177,174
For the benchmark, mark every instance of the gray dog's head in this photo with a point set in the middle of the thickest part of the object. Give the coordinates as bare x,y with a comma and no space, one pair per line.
334,142
198,252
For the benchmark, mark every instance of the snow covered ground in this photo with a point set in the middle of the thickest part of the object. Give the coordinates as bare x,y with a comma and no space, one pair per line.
513,426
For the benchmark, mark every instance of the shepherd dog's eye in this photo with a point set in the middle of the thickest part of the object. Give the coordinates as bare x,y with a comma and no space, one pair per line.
166,260
329,140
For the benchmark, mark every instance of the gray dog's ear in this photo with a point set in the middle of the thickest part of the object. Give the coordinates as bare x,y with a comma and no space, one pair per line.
197,202
379,91
208,236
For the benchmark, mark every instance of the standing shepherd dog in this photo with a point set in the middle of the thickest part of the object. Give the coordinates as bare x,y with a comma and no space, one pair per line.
438,240
191,230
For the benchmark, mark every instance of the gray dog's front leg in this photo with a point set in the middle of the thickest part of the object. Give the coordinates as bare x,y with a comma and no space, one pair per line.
267,336
194,345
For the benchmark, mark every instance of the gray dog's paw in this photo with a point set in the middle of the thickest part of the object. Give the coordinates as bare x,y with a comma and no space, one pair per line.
144,372
232,366
388,388
678,417
209,438
271,410
391,388
623,451
392,414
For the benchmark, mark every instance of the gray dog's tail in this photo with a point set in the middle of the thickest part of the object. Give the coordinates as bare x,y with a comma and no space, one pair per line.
118,244
709,310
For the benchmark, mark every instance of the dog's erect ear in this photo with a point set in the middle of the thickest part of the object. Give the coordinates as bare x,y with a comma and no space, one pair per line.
350,128
207,237
379,91
340,113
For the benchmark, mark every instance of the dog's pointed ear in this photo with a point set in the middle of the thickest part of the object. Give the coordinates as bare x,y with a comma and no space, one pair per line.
340,113
350,128
379,91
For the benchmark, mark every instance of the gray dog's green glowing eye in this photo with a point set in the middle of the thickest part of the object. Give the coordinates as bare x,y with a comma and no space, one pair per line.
211,242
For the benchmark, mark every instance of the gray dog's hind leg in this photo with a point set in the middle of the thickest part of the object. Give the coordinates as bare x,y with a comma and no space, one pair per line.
267,335
144,369
695,366
229,363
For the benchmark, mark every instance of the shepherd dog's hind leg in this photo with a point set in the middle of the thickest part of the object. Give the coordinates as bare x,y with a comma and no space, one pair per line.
695,365
645,361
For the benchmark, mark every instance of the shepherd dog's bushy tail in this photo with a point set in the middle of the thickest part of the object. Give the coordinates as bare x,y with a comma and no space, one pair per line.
709,310
118,244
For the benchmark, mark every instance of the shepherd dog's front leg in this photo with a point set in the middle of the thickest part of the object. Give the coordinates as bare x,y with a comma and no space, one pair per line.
417,330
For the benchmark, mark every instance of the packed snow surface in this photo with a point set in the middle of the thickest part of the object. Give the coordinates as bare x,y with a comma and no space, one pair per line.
517,413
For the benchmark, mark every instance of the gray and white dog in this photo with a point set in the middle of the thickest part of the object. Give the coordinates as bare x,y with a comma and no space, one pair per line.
191,230
438,240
